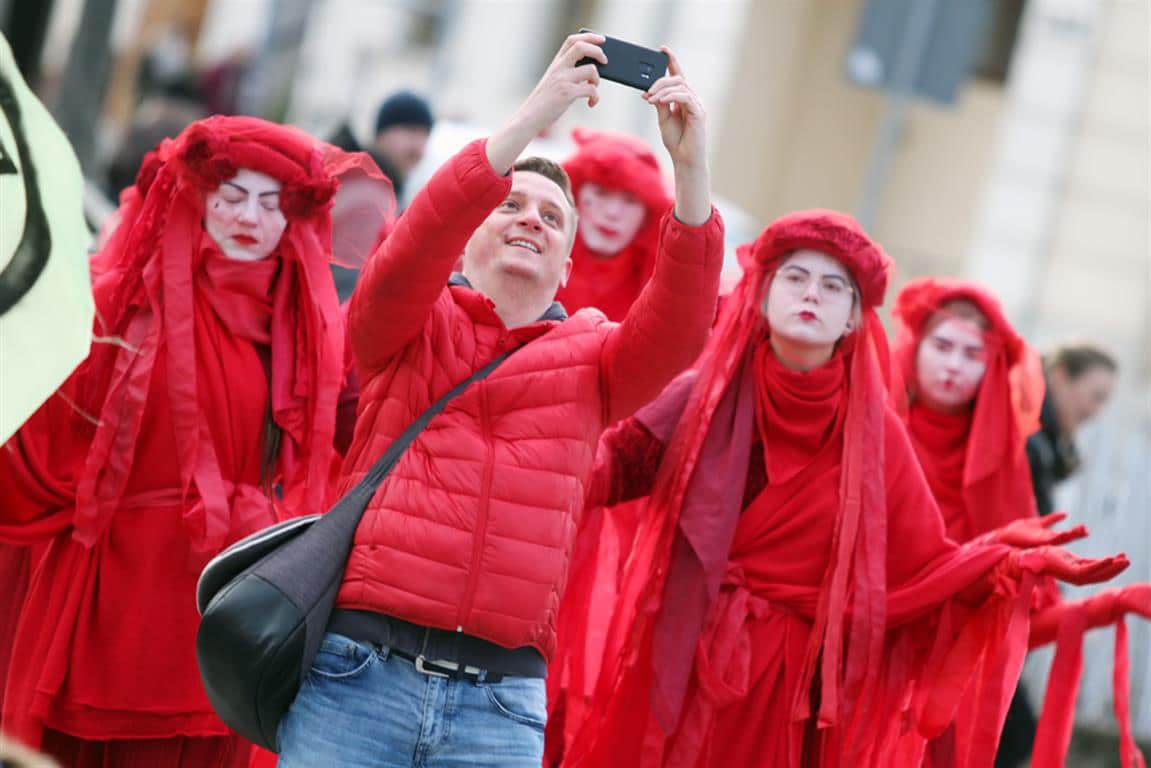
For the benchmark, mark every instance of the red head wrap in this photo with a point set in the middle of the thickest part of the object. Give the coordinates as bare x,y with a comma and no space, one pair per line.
618,161
147,267
1006,406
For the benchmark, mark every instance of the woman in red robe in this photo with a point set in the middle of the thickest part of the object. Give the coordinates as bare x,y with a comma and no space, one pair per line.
787,600
621,196
205,410
973,393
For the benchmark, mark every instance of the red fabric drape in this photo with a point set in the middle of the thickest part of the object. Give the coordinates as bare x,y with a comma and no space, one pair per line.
149,459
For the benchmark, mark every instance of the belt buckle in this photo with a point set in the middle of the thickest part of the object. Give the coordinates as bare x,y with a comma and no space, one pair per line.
454,668
421,667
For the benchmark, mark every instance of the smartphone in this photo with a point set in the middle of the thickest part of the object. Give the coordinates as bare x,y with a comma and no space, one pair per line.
628,63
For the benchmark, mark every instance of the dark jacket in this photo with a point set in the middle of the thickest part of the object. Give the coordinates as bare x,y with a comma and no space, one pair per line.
1052,455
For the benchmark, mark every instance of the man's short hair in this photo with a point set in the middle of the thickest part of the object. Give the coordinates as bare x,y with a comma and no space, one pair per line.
549,170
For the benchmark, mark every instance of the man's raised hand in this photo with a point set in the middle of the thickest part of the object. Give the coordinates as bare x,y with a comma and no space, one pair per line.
562,84
681,115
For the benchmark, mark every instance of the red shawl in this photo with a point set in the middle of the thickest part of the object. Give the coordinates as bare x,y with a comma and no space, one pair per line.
620,162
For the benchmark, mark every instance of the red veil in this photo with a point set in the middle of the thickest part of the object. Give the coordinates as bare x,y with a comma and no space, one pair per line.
996,481
144,272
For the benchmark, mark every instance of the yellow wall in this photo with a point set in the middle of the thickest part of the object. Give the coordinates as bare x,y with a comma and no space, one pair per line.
798,134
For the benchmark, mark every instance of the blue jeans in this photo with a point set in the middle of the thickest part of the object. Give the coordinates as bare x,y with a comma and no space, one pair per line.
360,706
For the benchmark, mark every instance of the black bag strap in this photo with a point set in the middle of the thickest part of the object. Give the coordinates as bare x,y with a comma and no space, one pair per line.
371,481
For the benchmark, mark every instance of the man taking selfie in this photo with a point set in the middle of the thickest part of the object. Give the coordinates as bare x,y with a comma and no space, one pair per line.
445,620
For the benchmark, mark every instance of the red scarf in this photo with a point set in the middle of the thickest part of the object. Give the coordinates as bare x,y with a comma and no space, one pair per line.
940,442
240,292
798,413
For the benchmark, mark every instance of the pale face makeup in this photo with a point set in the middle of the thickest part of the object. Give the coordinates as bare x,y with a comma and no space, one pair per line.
609,218
810,306
243,215
950,364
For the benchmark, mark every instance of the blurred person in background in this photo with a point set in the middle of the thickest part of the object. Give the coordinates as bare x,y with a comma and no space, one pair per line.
403,124
1080,379
156,118
205,410
973,389
445,621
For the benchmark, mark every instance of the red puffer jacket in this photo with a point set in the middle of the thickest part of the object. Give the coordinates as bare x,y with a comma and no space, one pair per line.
474,527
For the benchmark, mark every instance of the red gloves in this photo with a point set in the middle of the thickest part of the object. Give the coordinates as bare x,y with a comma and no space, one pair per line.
1034,532
1065,566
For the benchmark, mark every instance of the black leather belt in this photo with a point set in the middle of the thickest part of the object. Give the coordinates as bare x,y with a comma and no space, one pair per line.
439,652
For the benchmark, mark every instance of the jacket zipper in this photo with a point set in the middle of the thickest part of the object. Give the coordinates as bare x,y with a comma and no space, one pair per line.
481,528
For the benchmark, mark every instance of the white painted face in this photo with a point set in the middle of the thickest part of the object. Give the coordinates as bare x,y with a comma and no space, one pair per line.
950,364
243,215
810,301
609,219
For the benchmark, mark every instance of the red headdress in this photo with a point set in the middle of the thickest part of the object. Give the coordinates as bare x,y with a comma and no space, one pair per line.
147,268
620,162
856,572
1006,406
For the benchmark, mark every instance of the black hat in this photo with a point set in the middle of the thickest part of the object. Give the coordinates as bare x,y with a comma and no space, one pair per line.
403,108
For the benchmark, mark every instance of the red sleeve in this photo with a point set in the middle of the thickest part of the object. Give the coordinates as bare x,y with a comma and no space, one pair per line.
666,328
403,278
626,463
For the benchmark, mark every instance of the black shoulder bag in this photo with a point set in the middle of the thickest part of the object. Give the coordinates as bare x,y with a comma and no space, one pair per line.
265,601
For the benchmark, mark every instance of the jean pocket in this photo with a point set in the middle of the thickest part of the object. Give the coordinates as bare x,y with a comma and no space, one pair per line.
522,699
341,657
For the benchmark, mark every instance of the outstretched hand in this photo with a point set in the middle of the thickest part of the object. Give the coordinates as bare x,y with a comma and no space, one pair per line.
562,84
1036,532
1065,566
